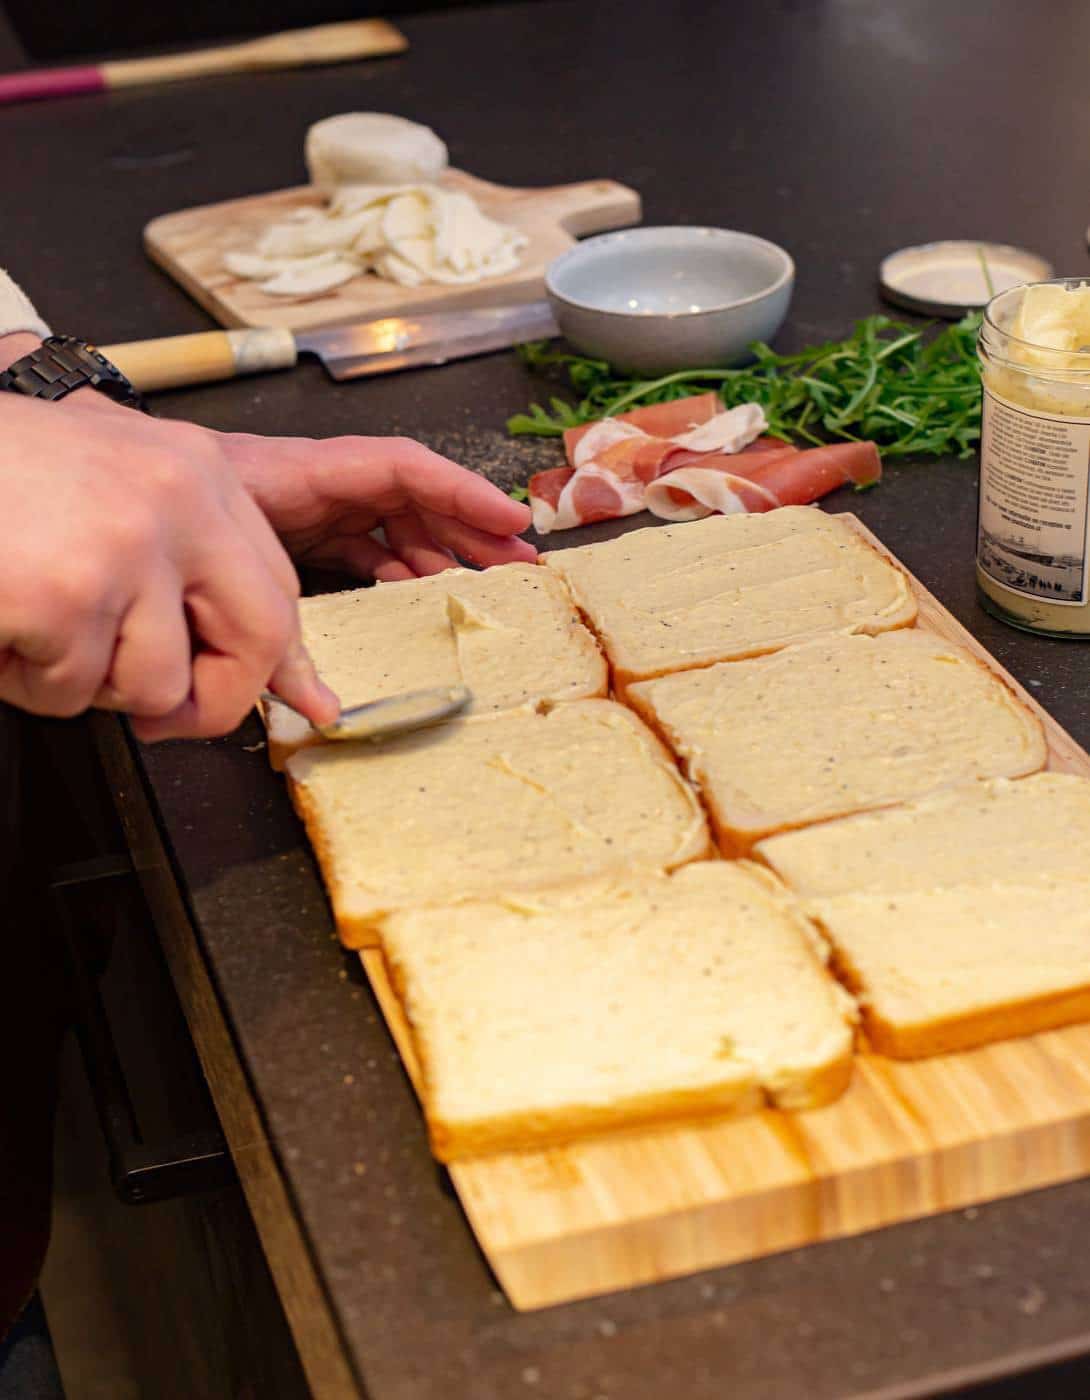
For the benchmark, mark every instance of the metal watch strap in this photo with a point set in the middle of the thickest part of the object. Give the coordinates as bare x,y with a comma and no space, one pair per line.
61,364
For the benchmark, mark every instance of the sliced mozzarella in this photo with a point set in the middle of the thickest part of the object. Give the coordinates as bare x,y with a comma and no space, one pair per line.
395,268
350,199
254,266
408,216
410,234
310,278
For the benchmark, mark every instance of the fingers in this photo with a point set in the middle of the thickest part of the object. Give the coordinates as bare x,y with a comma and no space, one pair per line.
411,541
150,675
392,473
59,670
296,681
475,545
362,555
247,632
439,485
245,511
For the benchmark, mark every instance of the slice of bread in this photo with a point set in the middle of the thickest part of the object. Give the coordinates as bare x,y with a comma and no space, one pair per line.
837,726
629,1001
948,969
1036,826
678,596
511,634
464,809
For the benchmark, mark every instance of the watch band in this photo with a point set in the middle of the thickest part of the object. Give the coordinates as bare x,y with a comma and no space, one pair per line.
61,364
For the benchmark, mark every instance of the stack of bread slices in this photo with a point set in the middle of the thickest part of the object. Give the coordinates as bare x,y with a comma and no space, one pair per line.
717,801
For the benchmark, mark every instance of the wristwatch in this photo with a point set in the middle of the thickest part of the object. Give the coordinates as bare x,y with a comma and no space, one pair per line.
62,363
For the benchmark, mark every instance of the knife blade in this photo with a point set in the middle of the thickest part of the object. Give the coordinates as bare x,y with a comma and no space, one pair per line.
395,714
433,338
347,351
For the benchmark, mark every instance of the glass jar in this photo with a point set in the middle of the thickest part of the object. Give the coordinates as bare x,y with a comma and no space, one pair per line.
1032,557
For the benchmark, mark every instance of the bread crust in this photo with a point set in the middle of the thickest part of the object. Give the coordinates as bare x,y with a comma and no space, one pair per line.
588,656
484,1137
621,677
354,930
736,835
945,1035
363,929
729,842
812,1088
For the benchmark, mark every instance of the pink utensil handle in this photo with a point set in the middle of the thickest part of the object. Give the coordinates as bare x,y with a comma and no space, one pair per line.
41,83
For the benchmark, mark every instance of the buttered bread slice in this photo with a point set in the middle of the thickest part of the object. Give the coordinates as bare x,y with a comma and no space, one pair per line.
680,596
511,634
462,810
1035,827
635,1000
948,969
838,726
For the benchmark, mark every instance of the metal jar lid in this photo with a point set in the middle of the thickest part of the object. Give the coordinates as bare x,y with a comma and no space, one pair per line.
948,279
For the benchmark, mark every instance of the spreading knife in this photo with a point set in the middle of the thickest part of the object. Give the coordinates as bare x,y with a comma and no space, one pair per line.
348,351
395,714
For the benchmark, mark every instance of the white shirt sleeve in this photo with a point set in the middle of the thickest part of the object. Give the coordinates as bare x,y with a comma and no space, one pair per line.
16,311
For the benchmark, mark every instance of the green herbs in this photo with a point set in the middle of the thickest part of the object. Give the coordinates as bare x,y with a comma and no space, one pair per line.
888,382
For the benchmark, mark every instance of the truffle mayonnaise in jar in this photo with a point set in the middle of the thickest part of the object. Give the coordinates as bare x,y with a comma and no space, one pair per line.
1032,556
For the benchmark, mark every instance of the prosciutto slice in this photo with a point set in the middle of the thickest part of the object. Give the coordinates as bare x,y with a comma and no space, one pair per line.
656,420
760,480
564,497
612,462
685,460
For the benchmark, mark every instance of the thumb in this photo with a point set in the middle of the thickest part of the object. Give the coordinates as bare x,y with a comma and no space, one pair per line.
297,682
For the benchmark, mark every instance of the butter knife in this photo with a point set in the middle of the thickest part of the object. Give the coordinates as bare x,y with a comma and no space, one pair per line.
396,714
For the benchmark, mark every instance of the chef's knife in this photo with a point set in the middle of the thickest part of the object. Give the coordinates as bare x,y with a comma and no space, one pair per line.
369,347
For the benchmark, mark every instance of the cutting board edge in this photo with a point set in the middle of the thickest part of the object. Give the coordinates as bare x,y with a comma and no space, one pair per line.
521,1269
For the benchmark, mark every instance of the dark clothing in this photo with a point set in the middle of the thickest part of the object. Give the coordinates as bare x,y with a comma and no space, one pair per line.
30,1031
28,1367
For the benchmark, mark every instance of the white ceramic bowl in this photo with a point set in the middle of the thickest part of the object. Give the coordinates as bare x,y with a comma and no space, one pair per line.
660,299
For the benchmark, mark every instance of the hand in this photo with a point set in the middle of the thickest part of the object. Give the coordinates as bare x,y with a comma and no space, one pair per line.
324,498
138,574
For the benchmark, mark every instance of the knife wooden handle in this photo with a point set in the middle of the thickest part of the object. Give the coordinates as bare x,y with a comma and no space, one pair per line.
324,43
200,359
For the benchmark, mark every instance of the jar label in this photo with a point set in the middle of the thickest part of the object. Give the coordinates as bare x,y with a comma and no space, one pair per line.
1032,526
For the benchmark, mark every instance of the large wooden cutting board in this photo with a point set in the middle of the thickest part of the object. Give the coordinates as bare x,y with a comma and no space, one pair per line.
909,1138
190,245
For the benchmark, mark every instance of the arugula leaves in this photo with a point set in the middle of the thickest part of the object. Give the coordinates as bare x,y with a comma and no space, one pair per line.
887,382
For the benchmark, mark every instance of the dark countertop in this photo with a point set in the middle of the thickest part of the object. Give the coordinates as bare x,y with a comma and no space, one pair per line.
842,130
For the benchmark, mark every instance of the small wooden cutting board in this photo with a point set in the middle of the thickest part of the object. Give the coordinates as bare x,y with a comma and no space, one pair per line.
191,243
